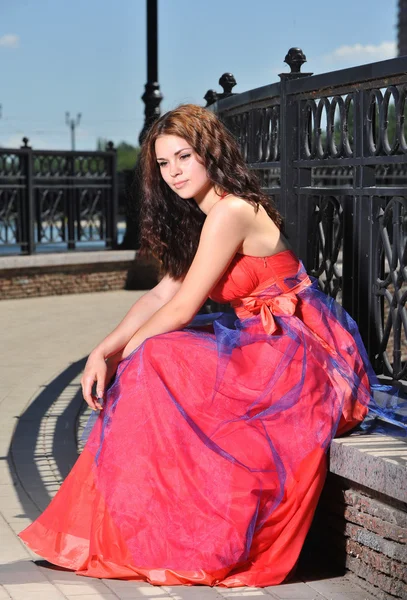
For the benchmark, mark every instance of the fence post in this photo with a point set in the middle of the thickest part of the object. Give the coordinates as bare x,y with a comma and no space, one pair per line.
111,212
289,151
365,230
71,201
28,243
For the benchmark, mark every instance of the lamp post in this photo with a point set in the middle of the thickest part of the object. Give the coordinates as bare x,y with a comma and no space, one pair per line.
72,123
151,98
152,95
402,28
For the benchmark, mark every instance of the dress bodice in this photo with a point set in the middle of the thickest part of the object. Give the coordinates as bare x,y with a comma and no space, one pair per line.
247,273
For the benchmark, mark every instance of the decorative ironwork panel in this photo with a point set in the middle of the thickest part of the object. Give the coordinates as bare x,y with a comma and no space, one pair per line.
341,146
266,129
328,124
391,175
91,166
269,178
51,165
391,287
340,176
51,215
257,132
92,215
326,244
55,199
238,125
327,127
386,121
12,184
10,223
10,165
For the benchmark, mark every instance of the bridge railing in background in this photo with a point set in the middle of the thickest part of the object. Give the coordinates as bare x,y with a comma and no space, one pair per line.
57,199
332,150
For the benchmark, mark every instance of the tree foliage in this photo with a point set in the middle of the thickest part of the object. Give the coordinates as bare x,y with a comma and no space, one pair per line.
126,154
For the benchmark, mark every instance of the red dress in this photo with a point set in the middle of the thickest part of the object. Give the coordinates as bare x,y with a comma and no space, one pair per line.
206,464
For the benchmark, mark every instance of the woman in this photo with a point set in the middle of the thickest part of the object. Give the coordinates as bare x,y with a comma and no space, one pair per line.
206,463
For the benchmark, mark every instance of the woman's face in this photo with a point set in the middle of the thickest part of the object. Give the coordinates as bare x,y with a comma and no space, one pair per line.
180,166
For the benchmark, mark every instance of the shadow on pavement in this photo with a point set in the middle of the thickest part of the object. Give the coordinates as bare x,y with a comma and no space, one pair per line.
39,471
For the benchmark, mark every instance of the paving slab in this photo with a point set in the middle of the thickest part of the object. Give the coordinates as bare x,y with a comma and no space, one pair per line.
45,344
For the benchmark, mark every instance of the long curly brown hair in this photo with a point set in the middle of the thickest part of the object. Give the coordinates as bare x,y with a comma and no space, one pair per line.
170,226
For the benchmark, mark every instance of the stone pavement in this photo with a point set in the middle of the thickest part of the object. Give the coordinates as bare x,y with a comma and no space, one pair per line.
44,344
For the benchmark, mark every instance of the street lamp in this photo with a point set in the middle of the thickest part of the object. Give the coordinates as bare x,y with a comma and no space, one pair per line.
73,123
152,95
152,98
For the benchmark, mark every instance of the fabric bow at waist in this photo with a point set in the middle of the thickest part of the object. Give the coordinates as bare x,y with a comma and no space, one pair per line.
282,305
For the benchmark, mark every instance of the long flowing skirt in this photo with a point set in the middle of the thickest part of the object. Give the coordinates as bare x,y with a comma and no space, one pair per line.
207,461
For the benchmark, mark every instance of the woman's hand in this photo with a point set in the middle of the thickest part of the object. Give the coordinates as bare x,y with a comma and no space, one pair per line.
99,370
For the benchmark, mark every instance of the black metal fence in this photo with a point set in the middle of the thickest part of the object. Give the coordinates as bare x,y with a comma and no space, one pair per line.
332,150
64,200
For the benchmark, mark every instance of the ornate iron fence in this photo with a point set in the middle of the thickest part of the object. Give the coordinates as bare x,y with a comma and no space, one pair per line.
332,151
52,198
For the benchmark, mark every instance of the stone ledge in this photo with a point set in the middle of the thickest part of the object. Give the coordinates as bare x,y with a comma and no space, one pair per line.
377,462
360,524
66,258
75,272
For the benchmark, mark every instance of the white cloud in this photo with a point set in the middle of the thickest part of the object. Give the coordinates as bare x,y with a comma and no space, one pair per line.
9,40
359,54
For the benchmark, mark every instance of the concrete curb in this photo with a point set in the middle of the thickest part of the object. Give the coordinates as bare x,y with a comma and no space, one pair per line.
377,462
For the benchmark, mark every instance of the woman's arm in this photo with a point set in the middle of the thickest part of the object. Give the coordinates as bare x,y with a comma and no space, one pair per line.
103,360
224,231
140,313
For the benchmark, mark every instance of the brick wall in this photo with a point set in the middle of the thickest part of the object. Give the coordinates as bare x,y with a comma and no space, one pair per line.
366,532
72,274
70,279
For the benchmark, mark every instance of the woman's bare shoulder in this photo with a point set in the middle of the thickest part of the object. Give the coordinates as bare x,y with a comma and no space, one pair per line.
236,205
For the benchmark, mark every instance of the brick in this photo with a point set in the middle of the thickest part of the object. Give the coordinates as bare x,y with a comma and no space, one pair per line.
375,507
376,560
373,591
374,541
383,582
379,526
370,539
65,280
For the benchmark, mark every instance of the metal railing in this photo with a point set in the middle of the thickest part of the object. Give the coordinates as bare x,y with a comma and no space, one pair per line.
332,150
54,199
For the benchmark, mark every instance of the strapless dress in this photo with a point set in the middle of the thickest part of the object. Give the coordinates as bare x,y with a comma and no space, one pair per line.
207,462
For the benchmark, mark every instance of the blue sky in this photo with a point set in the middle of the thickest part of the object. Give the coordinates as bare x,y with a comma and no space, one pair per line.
89,56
